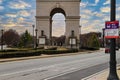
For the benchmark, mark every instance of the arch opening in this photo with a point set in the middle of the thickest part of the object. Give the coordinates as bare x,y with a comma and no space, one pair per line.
57,26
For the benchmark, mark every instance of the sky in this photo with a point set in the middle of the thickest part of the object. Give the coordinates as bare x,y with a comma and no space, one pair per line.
20,16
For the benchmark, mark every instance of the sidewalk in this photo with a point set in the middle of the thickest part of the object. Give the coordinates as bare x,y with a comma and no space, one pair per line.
101,75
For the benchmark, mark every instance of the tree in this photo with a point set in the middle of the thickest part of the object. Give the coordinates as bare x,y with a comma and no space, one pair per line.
26,39
11,38
93,42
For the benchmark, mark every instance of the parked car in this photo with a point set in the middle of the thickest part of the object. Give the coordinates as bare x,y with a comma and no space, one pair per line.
107,50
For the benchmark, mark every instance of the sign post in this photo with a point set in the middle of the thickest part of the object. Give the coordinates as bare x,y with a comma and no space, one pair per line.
112,71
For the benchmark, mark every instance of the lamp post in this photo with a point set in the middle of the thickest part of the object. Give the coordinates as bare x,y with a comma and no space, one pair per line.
112,73
2,39
33,36
36,39
80,37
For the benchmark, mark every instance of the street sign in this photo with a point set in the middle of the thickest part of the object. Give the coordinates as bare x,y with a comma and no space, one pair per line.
111,33
42,41
112,29
72,41
112,25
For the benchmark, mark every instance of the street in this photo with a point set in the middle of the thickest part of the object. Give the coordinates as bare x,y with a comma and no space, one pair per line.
56,68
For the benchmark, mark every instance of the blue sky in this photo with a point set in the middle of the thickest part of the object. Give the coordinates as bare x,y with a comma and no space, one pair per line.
20,15
94,13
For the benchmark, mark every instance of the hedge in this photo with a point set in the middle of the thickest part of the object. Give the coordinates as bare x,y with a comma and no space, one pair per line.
19,54
35,53
90,48
50,52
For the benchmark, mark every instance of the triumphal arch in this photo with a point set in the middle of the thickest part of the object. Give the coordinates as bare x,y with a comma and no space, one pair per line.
45,9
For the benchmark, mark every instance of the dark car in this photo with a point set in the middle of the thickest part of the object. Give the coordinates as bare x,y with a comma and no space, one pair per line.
107,50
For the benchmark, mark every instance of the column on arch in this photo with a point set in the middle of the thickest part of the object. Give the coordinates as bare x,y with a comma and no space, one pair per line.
72,24
43,24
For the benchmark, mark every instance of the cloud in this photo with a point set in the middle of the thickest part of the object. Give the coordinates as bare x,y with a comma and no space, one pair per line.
19,5
105,9
9,25
1,8
1,1
58,25
24,13
118,9
58,31
96,2
86,13
98,14
83,4
118,13
84,16
12,15
20,19
92,26
107,2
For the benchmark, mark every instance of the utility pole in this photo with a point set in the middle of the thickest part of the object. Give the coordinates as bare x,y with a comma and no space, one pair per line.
113,73
103,36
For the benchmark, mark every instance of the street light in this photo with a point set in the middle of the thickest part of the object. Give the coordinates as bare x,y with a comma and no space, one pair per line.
80,37
36,39
2,39
33,35
112,73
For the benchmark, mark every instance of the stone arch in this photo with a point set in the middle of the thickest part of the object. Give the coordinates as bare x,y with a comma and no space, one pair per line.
45,9
57,10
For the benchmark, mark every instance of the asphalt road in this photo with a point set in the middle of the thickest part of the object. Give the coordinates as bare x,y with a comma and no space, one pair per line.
51,68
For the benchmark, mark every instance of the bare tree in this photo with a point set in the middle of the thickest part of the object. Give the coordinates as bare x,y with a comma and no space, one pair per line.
11,38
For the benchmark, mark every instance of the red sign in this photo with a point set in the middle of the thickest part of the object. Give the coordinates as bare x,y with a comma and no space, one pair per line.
112,29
